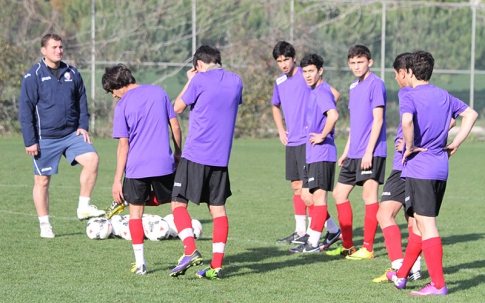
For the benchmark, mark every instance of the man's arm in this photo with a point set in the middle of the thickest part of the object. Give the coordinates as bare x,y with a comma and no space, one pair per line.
469,116
345,153
278,120
179,105
335,93
378,114
332,117
121,156
176,138
83,123
27,102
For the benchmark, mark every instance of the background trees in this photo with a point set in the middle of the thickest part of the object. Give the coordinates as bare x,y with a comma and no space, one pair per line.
154,37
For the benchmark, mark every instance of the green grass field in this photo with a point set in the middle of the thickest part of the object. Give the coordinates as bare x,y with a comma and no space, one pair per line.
73,268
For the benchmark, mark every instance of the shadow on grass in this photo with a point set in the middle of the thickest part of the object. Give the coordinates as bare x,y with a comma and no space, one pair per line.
256,260
473,281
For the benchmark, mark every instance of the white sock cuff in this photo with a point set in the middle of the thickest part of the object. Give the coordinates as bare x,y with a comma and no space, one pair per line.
314,237
331,226
219,247
44,219
188,232
84,202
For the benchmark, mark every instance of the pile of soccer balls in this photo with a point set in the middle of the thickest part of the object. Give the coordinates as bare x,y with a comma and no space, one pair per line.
156,228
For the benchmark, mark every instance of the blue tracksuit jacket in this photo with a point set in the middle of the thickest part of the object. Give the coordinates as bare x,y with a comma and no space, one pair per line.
50,107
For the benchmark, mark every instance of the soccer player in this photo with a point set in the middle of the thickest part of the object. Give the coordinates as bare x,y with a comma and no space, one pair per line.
392,198
53,114
291,93
364,158
321,152
425,166
213,95
141,120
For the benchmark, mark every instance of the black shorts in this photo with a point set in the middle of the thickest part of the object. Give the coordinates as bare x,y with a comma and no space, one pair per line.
352,174
319,175
201,183
295,162
394,188
424,197
137,191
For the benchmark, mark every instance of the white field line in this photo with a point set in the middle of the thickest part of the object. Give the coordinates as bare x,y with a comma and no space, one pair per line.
53,186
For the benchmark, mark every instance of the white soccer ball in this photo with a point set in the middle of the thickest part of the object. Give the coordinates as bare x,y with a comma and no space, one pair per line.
173,230
116,221
124,229
98,228
156,228
197,227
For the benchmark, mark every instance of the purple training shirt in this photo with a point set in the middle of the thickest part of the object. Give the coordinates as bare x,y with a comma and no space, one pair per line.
320,101
432,109
214,97
363,98
142,116
291,93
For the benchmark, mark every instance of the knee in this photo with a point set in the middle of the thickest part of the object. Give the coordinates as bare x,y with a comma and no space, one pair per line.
42,181
90,160
307,199
338,196
382,215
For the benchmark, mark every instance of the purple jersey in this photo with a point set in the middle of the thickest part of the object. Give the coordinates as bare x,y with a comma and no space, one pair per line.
320,101
432,109
397,161
214,97
291,93
142,116
363,98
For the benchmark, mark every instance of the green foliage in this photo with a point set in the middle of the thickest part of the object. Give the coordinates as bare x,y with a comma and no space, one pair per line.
143,32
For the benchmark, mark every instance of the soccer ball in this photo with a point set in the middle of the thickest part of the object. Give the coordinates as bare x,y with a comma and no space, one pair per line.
197,227
98,228
116,221
171,224
155,228
124,229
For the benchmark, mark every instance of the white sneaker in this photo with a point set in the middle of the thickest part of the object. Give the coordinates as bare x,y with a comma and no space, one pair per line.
88,212
46,231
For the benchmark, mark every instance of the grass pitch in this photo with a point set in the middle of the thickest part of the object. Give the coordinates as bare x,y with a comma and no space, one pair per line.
73,268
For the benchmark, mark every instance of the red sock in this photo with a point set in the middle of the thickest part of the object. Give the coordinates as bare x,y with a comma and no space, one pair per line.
311,211
345,220
433,254
370,225
299,206
319,218
219,240
393,242
183,223
413,250
136,231
153,200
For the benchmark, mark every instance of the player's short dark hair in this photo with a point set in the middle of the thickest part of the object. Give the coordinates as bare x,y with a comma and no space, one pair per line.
116,77
285,49
207,54
359,51
422,64
400,61
47,37
312,59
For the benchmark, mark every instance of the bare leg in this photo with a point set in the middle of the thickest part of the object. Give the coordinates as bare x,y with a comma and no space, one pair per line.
89,174
41,194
